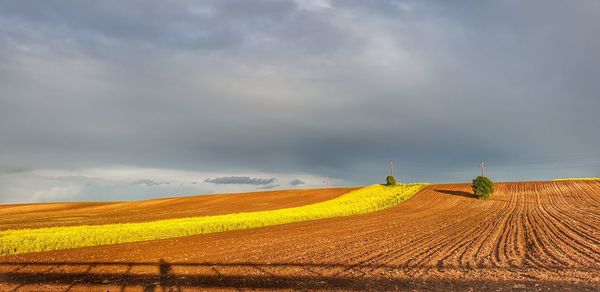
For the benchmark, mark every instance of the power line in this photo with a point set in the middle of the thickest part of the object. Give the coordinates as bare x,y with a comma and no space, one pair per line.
500,167
482,167
499,164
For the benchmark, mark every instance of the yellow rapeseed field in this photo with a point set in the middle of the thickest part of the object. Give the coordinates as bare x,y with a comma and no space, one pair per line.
368,199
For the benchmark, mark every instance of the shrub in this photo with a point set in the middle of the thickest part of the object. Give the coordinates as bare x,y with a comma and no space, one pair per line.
483,187
390,181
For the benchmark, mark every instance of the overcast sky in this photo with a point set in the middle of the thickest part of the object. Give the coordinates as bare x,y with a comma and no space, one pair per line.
119,100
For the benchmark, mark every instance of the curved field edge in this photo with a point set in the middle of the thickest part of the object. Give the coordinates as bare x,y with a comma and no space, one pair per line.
364,200
30,216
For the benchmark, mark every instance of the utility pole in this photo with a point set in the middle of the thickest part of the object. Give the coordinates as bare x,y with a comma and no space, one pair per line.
482,167
391,167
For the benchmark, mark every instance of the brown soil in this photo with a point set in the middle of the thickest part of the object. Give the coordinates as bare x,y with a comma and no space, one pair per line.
63,214
528,236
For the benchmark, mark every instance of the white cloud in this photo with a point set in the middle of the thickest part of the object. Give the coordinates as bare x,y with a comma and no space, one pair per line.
54,194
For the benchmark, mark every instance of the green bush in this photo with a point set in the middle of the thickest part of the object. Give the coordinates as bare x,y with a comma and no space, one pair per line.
483,187
390,181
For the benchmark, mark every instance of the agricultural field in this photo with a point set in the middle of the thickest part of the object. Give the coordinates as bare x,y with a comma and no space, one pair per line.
538,236
87,213
299,145
364,200
578,178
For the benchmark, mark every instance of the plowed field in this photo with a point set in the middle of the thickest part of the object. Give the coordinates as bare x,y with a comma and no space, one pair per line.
528,236
84,213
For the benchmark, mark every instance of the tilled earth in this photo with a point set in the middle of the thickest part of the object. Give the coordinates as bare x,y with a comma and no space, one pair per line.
90,213
528,236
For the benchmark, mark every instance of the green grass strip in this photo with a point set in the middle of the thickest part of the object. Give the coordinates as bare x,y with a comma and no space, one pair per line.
577,178
364,200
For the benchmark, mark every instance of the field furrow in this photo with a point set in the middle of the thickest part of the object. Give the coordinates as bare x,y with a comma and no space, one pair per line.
528,236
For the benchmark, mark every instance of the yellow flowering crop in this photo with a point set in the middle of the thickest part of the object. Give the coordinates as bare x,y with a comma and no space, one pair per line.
364,200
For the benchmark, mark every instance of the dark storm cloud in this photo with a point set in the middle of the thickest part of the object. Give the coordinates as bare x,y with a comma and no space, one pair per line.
326,88
296,182
243,180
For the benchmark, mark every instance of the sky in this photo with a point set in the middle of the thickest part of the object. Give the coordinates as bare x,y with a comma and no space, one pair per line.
124,100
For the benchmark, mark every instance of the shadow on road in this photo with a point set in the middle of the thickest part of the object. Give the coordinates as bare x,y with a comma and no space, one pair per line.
175,276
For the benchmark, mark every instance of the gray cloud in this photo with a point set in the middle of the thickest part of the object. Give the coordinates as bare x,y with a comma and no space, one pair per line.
14,170
296,182
233,87
150,182
268,187
244,180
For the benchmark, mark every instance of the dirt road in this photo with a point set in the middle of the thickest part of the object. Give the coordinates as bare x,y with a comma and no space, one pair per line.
528,236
